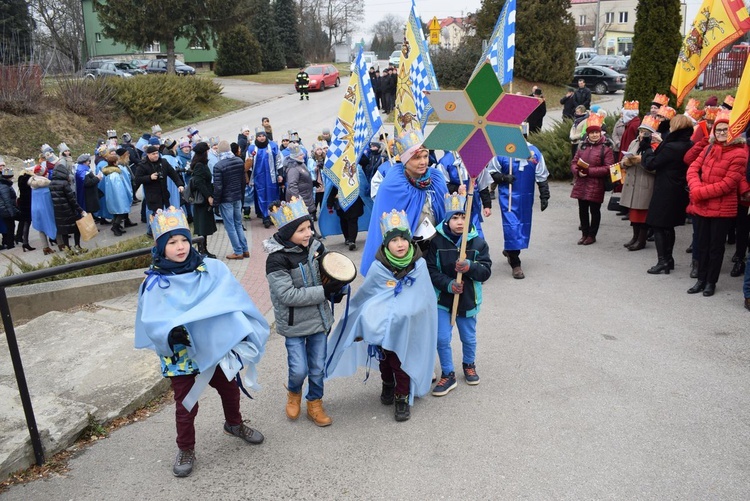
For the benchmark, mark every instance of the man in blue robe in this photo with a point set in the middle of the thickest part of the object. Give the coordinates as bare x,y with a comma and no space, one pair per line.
265,161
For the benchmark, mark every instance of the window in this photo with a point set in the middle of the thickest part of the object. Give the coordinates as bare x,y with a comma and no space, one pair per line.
623,17
609,17
154,48
582,20
98,37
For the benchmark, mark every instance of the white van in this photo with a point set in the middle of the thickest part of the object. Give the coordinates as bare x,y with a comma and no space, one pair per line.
584,54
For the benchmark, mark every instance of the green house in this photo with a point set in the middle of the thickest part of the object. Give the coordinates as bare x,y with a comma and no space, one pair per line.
99,47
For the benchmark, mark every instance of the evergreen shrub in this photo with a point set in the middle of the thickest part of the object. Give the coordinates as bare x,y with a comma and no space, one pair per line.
238,53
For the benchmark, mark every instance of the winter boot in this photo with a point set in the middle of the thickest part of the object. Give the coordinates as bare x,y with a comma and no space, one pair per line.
662,266
205,249
640,241
635,236
386,396
317,414
293,404
694,269
402,412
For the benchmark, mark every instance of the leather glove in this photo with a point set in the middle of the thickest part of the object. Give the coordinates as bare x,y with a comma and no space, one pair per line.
456,288
501,178
463,266
316,184
544,202
178,335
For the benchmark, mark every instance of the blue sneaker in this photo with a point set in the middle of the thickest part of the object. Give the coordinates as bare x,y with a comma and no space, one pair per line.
445,384
470,374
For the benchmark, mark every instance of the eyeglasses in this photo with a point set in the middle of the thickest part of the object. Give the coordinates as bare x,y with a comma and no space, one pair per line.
721,131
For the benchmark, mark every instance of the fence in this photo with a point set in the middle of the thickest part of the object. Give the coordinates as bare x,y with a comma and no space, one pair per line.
724,70
10,332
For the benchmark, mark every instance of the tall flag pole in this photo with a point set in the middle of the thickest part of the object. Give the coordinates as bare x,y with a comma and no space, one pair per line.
356,124
501,49
718,23
415,75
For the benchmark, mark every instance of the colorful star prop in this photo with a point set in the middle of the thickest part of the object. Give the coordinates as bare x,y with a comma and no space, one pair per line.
480,122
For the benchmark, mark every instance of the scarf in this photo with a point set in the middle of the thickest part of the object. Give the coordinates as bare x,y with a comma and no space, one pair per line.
422,183
160,265
402,262
226,154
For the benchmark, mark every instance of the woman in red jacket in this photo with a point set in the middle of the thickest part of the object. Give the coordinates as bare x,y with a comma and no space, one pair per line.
589,166
715,179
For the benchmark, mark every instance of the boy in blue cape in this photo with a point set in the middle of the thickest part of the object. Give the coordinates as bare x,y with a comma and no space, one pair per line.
392,317
195,315
444,265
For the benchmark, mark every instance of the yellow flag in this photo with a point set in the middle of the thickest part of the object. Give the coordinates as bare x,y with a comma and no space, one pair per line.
718,23
738,120
415,75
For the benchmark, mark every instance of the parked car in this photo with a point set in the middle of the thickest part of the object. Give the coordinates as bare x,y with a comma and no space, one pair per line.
584,55
617,63
160,66
322,76
113,70
599,79
395,58
91,70
371,61
131,67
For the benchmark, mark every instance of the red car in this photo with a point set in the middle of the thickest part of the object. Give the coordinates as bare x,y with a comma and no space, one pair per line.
322,76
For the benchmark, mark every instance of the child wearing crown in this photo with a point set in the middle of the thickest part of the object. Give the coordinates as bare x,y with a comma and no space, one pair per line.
303,315
195,315
443,264
393,318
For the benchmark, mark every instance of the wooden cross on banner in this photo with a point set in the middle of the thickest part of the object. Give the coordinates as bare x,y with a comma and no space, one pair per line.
480,123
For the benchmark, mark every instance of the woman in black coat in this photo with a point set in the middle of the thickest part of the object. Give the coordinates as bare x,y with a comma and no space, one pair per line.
670,197
66,208
204,223
24,205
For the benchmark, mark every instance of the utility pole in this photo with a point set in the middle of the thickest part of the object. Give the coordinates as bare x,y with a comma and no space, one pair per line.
596,26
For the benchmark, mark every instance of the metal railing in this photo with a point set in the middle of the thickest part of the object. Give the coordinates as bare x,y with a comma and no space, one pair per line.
10,331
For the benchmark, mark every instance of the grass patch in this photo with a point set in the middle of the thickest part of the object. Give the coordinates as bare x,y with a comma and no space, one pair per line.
18,265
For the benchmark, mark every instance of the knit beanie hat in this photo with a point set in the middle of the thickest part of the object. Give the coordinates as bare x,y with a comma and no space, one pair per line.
153,140
83,158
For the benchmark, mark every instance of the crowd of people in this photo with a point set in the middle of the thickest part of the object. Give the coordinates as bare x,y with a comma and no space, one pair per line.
675,168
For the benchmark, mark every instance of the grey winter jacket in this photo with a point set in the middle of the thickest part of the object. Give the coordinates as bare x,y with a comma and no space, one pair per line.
299,183
293,275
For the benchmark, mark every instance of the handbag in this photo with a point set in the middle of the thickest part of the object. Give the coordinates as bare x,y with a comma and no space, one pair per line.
87,227
191,195
614,204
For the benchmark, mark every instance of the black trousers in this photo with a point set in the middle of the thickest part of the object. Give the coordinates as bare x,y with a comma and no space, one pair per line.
712,237
742,227
589,226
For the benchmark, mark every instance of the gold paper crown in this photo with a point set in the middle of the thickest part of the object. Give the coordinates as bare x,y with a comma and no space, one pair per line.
695,113
692,103
394,219
661,99
165,220
724,115
288,212
594,120
407,140
650,122
667,112
454,202
729,101
630,105
710,113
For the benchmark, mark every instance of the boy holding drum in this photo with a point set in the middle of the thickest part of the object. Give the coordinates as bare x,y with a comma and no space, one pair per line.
303,316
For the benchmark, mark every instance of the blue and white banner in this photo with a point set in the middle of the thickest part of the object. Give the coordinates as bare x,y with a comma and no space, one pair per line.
501,49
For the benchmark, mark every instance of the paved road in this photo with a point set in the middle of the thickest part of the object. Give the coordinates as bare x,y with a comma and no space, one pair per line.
598,382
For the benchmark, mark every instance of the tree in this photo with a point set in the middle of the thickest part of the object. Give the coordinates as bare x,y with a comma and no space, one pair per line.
16,26
238,53
314,40
390,27
656,44
546,38
63,20
164,21
267,33
340,19
287,20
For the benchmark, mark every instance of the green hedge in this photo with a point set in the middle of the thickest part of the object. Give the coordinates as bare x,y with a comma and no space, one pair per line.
159,98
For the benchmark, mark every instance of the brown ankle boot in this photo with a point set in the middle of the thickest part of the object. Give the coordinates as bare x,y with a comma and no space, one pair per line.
293,404
317,414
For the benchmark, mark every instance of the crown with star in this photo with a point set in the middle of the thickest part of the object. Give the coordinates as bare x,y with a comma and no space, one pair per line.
394,220
454,202
287,212
164,220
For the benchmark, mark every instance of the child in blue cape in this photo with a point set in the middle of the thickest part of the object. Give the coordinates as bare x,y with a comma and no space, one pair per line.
392,317
195,315
303,315
444,264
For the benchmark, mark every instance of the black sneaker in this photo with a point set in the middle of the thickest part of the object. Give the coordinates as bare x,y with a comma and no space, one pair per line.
401,411
352,246
446,383
387,395
183,463
245,433
470,374
266,222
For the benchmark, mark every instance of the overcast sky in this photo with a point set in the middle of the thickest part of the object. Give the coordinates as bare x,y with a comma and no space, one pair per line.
375,10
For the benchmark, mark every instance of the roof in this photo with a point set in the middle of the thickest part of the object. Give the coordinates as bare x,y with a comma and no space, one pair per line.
452,20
